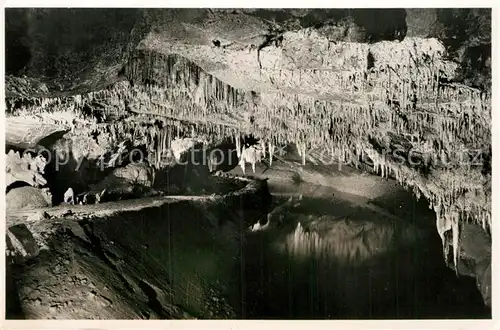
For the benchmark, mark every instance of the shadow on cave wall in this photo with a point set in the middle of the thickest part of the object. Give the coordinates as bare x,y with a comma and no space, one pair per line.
378,23
17,52
466,33
68,43
13,308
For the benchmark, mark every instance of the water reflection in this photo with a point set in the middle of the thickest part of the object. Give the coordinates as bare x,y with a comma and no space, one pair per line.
331,229
334,259
347,243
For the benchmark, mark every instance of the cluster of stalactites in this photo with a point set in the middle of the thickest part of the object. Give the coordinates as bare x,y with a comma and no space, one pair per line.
450,219
175,88
157,134
164,85
172,77
455,197
321,122
407,100
34,106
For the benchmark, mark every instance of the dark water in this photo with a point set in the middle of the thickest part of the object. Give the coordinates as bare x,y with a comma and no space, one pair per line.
409,280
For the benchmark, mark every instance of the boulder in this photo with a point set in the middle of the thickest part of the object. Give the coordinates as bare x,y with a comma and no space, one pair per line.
483,280
27,198
475,258
139,174
21,234
130,181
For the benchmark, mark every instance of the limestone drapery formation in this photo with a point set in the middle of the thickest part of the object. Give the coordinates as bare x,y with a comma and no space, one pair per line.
327,81
25,168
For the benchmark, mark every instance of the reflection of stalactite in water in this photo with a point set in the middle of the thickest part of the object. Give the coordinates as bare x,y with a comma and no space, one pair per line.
344,243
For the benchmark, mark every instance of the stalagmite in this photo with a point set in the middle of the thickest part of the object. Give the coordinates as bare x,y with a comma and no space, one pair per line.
271,153
303,154
238,145
456,235
299,149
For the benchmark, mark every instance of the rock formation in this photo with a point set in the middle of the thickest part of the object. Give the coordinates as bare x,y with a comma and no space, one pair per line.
405,91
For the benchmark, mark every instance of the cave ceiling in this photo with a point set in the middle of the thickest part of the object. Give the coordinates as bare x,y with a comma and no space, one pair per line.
325,79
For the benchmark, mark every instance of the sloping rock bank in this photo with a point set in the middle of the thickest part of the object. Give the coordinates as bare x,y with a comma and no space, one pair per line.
173,258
